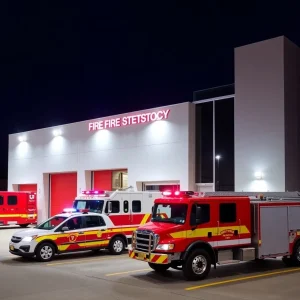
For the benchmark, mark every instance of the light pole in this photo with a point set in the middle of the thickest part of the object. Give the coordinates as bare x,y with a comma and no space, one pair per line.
218,157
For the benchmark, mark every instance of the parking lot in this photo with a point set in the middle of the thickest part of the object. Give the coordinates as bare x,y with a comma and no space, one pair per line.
101,275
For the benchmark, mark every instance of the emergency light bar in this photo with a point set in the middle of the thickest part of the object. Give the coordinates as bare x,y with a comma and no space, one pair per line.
94,192
69,210
84,210
179,193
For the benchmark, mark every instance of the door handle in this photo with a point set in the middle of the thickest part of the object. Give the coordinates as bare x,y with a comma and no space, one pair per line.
81,232
102,229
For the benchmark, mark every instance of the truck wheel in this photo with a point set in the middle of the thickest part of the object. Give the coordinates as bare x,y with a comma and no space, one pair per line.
294,260
23,225
159,268
45,252
197,265
117,245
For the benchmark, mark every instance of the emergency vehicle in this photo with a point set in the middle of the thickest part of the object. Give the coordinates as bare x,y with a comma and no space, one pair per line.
70,232
124,207
198,232
18,208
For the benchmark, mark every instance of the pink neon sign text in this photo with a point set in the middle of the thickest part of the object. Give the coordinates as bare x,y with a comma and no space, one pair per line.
130,120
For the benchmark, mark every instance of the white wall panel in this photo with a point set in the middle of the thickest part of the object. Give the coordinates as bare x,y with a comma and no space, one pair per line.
259,116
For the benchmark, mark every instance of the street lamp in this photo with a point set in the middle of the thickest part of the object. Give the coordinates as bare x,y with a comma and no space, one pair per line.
218,157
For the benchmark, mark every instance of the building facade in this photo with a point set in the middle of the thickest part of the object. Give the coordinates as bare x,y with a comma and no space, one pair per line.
241,137
144,149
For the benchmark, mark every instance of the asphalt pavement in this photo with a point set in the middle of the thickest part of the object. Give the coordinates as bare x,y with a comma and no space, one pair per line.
102,276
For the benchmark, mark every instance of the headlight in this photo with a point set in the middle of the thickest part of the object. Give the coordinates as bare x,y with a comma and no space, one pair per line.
165,247
29,238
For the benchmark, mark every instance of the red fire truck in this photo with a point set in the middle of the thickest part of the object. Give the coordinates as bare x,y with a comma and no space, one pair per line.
198,232
18,208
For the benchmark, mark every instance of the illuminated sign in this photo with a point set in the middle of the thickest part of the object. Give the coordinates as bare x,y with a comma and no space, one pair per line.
130,120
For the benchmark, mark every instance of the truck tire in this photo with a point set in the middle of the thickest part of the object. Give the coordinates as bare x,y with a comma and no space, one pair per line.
24,225
197,265
294,260
158,267
45,252
116,245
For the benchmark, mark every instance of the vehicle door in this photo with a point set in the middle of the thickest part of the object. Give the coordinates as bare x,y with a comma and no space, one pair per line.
96,234
228,225
2,210
201,223
113,210
71,235
31,206
137,215
15,207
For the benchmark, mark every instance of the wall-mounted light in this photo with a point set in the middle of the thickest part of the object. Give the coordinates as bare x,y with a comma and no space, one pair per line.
258,175
218,157
22,138
57,132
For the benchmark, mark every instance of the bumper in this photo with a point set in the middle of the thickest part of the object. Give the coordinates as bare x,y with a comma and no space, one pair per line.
22,249
156,258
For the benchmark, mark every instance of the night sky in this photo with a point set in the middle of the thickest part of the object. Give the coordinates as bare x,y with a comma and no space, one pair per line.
71,61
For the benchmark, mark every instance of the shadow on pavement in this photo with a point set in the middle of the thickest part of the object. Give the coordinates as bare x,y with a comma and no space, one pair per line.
221,273
15,260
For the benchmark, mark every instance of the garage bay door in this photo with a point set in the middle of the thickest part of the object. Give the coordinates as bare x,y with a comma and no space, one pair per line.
102,180
28,188
110,180
63,190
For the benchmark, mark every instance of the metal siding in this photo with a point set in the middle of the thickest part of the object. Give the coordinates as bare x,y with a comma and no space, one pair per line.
294,217
274,238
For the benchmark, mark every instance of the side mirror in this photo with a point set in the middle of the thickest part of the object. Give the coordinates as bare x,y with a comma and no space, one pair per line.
109,207
65,228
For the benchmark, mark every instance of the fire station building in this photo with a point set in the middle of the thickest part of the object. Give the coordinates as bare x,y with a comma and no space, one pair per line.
242,137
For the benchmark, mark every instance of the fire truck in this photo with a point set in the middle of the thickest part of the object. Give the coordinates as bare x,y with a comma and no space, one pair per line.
124,207
198,232
18,208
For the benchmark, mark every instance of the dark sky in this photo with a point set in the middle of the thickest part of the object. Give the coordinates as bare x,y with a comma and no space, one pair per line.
69,61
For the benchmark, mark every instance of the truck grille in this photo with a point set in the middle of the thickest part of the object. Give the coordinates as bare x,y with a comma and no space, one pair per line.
146,240
16,239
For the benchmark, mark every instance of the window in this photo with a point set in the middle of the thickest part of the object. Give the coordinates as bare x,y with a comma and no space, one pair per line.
136,206
169,213
125,206
1,200
74,223
12,200
204,213
227,212
115,206
51,223
94,221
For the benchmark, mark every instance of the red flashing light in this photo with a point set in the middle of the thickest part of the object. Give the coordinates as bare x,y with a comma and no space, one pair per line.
93,192
167,193
84,210
178,193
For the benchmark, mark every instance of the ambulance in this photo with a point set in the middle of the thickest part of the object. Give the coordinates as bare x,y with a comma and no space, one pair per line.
124,207
18,208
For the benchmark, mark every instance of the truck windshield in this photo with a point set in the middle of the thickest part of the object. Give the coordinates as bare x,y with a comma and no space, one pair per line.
169,213
93,205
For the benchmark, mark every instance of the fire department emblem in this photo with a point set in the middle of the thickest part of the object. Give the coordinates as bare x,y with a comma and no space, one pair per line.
73,237
227,233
